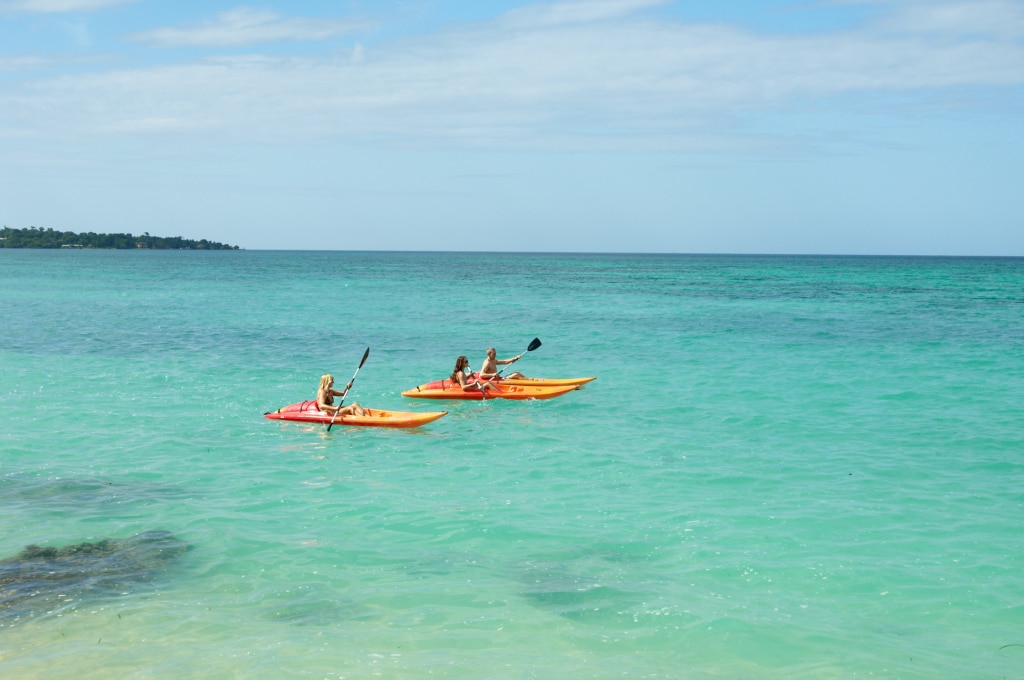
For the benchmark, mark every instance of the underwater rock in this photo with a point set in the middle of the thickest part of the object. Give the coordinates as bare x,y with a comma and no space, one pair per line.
44,577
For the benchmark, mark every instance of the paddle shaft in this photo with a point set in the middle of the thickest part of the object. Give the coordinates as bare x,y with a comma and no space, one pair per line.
534,344
345,393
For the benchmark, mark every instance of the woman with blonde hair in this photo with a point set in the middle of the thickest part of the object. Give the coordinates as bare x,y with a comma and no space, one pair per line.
325,398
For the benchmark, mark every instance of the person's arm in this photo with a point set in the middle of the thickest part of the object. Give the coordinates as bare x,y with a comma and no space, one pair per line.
508,361
328,408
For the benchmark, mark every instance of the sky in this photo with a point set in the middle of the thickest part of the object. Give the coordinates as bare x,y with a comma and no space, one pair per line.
876,127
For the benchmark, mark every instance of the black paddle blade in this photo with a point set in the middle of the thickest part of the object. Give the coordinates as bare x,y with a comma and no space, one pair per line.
365,354
534,344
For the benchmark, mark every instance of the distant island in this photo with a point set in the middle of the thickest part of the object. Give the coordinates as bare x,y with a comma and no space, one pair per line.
34,237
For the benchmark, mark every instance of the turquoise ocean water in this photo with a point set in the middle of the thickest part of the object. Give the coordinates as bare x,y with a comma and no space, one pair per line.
788,467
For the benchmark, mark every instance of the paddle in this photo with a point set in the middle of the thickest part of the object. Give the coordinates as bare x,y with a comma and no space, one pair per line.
534,344
345,393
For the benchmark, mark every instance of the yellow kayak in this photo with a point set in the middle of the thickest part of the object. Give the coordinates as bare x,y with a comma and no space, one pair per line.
522,382
493,391
544,382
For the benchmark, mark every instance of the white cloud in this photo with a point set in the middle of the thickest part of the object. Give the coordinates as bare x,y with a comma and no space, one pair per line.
52,6
622,82
995,18
246,26
22,63
147,125
575,12
1002,19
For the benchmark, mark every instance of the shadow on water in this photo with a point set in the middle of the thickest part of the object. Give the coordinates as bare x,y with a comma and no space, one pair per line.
591,585
40,580
57,491
309,606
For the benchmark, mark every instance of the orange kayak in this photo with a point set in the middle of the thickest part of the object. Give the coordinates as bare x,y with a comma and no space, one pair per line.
546,382
523,382
307,412
496,391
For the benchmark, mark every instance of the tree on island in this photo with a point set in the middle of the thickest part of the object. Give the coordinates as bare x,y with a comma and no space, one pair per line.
37,237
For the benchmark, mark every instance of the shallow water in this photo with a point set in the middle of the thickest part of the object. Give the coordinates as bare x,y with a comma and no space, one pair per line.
801,467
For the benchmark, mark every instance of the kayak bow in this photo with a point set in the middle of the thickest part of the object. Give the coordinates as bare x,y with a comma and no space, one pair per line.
546,382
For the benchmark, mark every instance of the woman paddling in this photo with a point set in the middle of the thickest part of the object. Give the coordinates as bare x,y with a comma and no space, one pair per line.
325,398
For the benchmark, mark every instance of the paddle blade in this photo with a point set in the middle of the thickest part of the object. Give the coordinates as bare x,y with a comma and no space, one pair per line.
367,353
534,344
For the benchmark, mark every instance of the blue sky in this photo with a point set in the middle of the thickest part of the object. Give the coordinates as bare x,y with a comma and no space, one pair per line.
757,126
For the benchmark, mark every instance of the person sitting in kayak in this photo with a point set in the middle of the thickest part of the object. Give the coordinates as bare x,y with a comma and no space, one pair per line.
326,394
462,375
489,370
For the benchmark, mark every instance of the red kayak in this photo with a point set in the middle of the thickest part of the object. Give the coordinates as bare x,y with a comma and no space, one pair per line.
308,412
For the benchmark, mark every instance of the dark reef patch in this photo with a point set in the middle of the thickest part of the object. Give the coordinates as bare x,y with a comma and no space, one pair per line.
40,579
